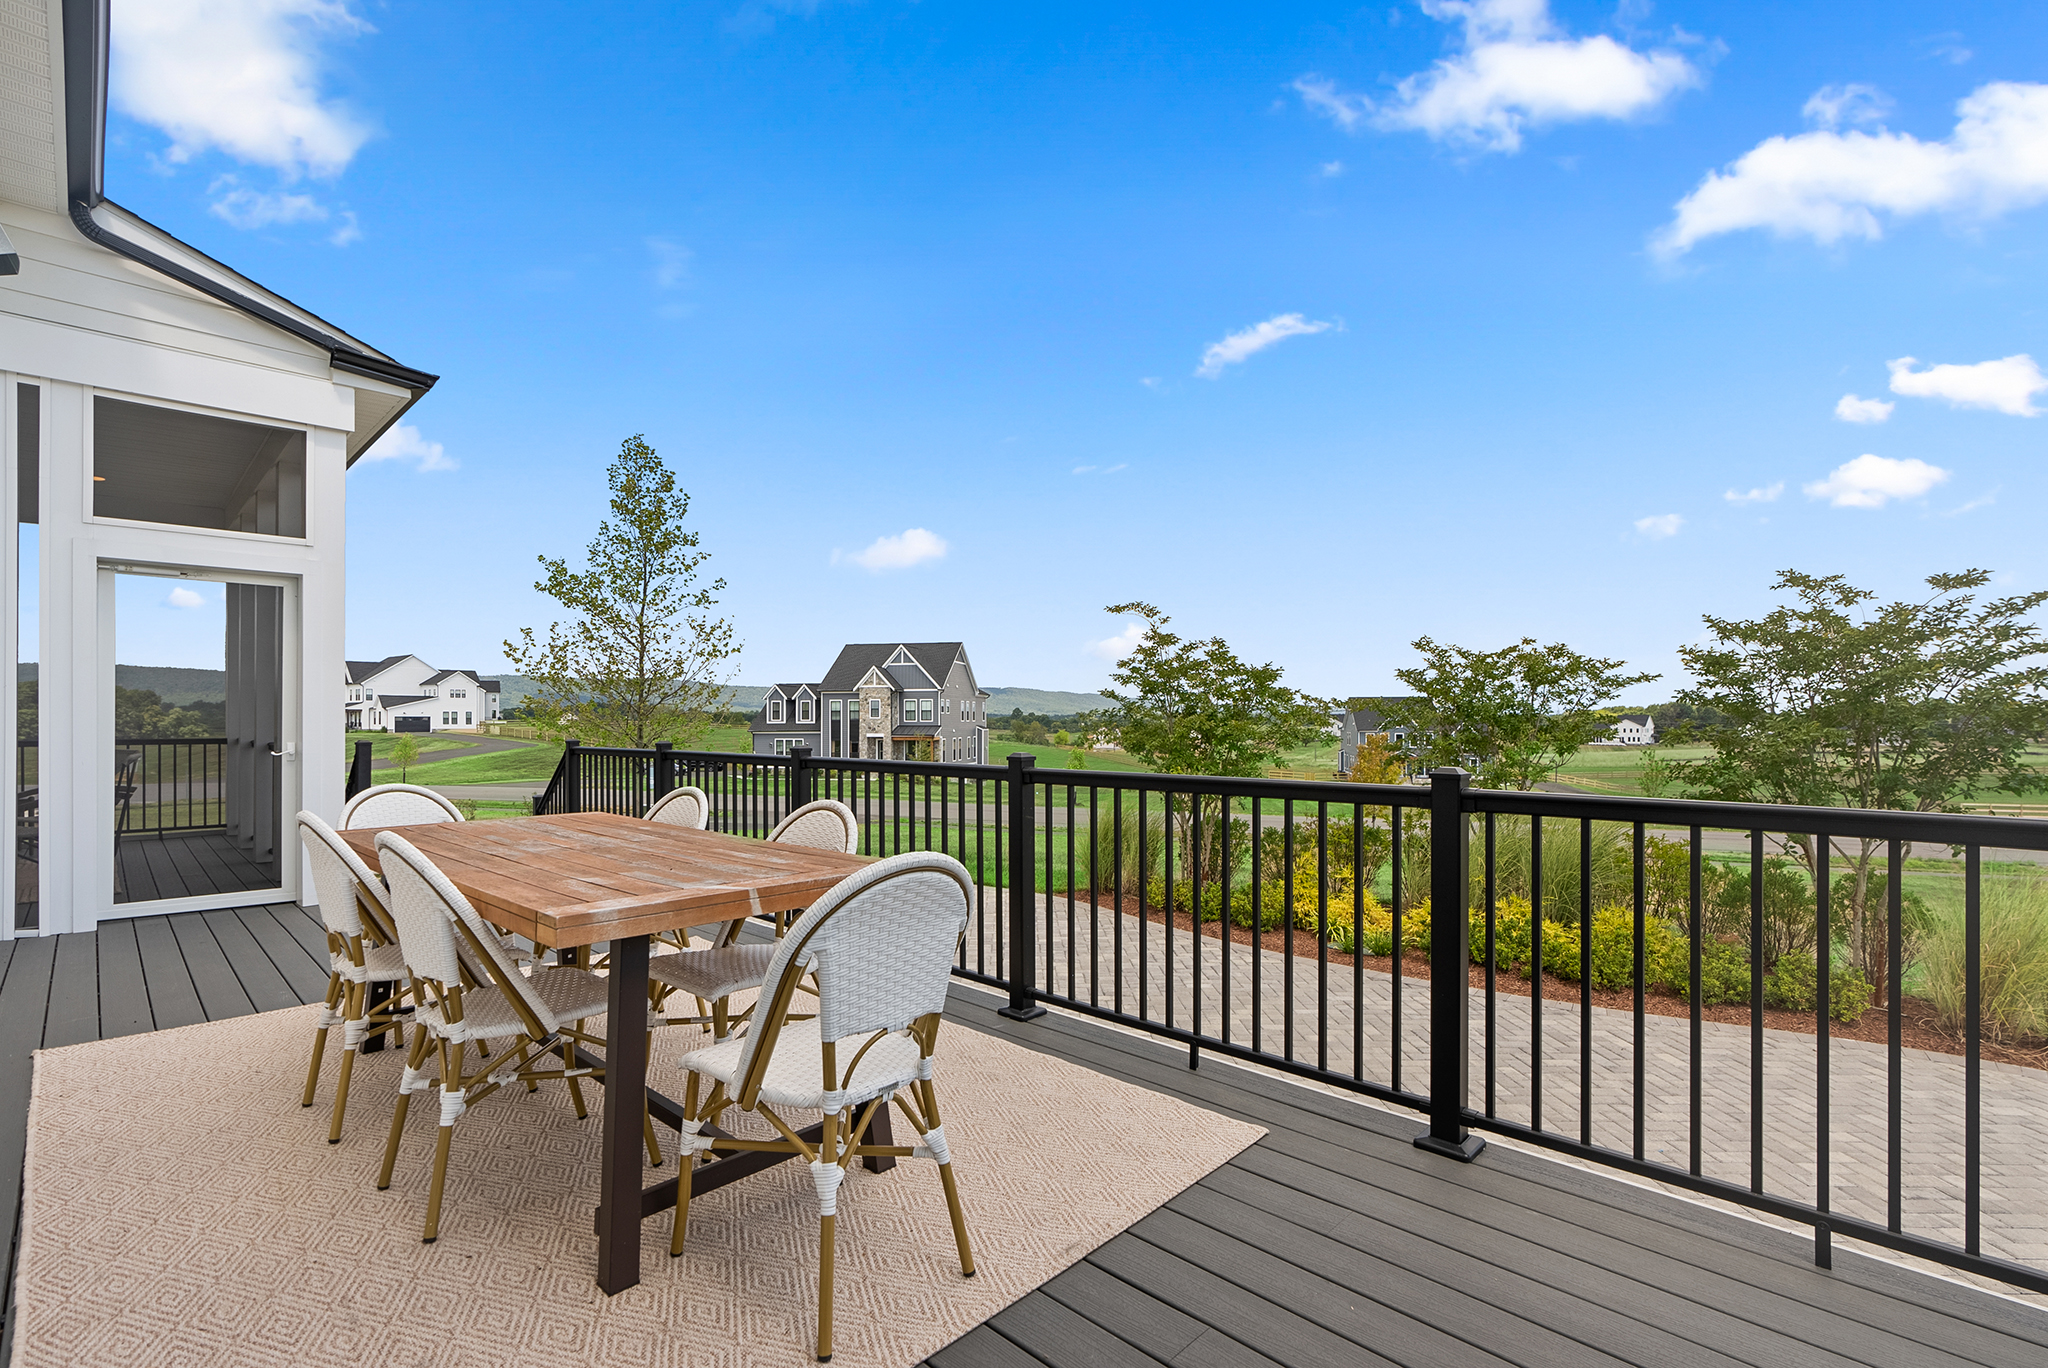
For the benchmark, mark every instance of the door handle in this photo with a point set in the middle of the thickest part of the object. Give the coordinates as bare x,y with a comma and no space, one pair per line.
289,752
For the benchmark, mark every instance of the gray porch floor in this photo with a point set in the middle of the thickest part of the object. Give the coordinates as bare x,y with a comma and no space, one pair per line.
1331,1241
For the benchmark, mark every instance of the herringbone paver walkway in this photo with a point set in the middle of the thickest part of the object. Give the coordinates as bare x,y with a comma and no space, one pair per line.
2015,1099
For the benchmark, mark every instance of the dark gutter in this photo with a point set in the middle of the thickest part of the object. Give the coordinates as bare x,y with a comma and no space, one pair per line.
85,135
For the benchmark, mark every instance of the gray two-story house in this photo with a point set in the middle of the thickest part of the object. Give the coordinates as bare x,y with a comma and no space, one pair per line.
1361,725
882,701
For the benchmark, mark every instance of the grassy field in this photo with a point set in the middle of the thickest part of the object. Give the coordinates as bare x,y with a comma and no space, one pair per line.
1618,769
382,742
531,763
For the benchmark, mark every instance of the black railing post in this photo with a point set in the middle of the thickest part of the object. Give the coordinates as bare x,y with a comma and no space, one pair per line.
799,776
571,797
1023,899
664,770
1450,935
358,770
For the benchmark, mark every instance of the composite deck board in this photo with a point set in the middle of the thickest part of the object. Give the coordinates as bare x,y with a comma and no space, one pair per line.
1604,1263
307,978
173,1001
221,994
1063,1338
124,997
74,1011
1331,1241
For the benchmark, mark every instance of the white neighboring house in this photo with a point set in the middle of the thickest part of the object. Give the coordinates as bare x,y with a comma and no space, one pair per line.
1631,729
403,693
161,416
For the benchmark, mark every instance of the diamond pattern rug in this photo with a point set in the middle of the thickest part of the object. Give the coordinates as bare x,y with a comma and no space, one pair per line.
182,1208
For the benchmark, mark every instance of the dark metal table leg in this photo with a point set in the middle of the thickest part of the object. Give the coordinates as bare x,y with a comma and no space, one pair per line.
380,993
625,1102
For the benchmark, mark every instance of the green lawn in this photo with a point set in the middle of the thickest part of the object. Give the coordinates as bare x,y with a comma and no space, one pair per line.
532,762
1618,769
382,742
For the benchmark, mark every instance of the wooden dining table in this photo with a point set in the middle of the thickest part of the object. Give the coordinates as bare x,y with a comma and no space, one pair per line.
578,880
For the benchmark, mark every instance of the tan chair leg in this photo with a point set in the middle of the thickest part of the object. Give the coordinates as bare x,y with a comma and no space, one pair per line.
686,1163
451,1081
334,993
575,1084
355,995
930,1099
417,1058
828,1149
647,1134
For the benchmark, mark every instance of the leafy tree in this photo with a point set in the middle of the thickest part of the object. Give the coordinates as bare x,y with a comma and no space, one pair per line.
405,753
143,715
1831,701
645,660
1513,714
1193,707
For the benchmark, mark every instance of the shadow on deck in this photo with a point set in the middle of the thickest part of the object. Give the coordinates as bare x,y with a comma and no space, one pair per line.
1331,1241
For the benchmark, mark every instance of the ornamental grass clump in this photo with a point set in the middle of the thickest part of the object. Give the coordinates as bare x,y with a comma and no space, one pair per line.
2013,945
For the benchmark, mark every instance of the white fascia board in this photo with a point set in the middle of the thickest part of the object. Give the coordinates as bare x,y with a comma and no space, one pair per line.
126,367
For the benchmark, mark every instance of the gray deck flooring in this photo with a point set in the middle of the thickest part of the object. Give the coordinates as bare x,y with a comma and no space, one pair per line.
1331,1241
188,864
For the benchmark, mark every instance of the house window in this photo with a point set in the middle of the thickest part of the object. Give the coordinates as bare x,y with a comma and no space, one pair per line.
458,693
469,719
803,710
775,712
924,710
874,707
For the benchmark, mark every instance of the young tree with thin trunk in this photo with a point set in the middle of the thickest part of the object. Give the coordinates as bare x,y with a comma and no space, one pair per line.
1828,701
1193,707
1514,715
645,659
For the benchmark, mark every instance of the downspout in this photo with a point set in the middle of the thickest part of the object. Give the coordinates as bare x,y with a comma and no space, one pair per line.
85,134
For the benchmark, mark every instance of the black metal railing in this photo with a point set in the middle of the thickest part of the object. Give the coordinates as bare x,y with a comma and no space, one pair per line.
1292,924
163,786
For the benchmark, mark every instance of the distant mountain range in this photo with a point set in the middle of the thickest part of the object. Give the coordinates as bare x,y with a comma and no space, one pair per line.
173,685
514,689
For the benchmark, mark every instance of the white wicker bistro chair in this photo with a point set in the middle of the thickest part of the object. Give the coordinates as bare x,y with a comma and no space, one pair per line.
880,948
397,805
541,1015
362,950
713,975
683,807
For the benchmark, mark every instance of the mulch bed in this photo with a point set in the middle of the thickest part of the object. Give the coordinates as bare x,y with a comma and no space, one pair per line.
1919,1027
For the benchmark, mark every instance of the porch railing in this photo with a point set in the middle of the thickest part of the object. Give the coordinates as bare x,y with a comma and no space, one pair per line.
160,785
1295,925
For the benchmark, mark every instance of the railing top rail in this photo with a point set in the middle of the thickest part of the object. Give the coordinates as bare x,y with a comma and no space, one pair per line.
163,741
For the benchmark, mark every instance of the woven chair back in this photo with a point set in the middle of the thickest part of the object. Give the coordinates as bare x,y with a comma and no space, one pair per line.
397,805
422,897
823,825
881,943
685,807
339,876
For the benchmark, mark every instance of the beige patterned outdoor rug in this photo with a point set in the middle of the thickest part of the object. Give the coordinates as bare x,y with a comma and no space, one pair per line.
182,1208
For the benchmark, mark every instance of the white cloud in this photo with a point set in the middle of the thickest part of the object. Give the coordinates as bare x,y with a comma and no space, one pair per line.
1829,184
1102,470
247,208
242,76
182,597
1851,409
1873,481
1331,169
1256,338
2007,385
1518,70
671,263
404,443
1662,525
348,231
1981,501
1852,105
1761,494
1120,645
914,546
1150,382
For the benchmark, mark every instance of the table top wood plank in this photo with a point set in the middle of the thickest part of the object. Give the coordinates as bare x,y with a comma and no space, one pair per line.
577,878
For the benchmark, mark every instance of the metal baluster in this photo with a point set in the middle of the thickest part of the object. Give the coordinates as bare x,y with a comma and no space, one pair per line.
1536,973
1641,933
1695,906
1973,1016
1394,1005
1894,1056
1824,965
1322,935
1287,934
1585,981
1756,1011
1490,853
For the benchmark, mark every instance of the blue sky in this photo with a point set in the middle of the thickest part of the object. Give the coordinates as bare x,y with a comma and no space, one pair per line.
1321,327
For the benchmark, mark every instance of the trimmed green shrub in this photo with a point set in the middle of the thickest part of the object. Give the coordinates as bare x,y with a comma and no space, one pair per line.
1794,985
